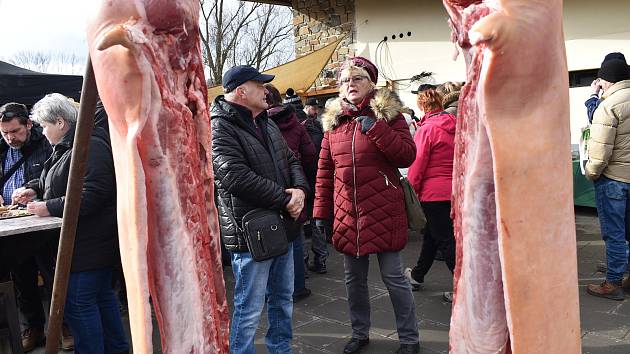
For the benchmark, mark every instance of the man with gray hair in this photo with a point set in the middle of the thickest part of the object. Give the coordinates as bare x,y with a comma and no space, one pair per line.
255,169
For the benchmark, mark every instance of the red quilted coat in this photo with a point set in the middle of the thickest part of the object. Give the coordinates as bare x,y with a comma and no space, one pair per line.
357,175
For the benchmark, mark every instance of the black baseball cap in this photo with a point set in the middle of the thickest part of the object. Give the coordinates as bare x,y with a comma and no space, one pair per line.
312,102
240,74
423,87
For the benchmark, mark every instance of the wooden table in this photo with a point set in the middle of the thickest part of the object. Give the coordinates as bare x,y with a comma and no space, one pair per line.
24,224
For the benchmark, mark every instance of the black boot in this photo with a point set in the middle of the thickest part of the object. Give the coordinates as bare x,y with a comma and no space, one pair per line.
409,349
318,267
355,345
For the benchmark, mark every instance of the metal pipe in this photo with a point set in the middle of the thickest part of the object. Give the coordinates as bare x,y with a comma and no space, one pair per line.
85,125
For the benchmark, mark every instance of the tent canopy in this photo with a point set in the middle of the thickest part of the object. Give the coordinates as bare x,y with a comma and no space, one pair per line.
27,87
298,74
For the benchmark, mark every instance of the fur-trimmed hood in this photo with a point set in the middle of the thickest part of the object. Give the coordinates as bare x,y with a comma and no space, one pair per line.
450,99
384,104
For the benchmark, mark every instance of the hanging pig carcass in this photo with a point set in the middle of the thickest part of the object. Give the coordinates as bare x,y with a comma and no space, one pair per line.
148,67
516,288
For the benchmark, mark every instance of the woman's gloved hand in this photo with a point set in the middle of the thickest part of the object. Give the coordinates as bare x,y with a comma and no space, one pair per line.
366,123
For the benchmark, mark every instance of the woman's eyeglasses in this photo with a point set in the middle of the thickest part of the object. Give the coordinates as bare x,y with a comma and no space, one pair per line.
356,78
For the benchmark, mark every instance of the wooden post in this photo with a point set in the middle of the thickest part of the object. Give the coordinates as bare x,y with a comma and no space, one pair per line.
85,125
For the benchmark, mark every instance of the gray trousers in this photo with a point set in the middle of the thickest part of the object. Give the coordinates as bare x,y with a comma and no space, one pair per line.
390,264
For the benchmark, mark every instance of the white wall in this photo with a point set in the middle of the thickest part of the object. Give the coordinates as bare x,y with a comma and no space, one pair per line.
427,49
592,29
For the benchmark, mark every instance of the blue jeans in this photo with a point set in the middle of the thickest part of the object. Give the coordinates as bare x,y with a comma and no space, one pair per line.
613,207
93,313
255,283
299,283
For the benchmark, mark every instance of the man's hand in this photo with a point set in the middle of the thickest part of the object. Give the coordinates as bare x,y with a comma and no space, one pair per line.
296,204
596,86
1,200
23,195
38,208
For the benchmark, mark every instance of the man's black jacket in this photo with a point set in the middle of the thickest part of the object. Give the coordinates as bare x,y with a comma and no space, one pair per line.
244,171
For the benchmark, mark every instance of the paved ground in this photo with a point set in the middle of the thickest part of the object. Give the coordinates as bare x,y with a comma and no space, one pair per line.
321,322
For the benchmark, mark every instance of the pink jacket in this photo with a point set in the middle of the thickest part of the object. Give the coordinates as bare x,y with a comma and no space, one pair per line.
431,174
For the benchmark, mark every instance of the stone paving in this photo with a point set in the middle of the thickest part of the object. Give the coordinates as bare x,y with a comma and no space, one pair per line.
321,322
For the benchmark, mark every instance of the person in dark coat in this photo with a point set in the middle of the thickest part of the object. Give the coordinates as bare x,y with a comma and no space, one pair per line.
91,308
319,244
23,151
300,143
254,168
366,140
291,98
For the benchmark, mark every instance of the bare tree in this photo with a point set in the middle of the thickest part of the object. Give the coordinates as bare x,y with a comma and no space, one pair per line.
234,33
272,36
48,62
33,60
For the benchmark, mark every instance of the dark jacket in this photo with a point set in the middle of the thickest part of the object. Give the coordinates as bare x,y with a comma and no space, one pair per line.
358,175
295,135
244,171
96,239
591,105
38,150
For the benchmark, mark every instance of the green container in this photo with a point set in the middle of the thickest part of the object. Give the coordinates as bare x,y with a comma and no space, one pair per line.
583,190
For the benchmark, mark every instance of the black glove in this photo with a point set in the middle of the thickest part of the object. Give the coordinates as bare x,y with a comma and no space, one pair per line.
366,123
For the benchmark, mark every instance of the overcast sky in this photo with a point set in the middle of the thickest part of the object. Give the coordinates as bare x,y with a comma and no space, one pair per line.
44,25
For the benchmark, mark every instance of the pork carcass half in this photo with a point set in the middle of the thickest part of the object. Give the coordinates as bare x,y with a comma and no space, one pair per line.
148,68
516,287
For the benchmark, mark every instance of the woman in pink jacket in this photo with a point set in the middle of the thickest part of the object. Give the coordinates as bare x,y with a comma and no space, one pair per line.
431,177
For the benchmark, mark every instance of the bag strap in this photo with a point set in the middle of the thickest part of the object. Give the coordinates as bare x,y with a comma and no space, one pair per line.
13,169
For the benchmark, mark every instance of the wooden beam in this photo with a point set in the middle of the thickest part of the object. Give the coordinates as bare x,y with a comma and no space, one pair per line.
319,92
84,127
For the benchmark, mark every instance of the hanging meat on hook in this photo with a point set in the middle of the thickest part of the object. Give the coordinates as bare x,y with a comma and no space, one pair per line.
148,67
516,288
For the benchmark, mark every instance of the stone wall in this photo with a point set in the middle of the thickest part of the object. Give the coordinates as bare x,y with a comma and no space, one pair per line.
319,22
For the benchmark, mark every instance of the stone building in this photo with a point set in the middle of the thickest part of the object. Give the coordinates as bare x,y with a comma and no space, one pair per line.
404,38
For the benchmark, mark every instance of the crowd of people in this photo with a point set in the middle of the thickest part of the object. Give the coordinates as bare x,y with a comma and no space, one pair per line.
338,177
37,151
333,175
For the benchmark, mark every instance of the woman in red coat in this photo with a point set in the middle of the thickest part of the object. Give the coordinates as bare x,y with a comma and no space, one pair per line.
366,140
431,176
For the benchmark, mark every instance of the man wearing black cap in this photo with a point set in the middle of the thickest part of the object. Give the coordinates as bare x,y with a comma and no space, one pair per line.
608,166
254,168
593,101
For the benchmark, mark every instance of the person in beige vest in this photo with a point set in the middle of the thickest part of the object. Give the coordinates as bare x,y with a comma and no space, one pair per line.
608,166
